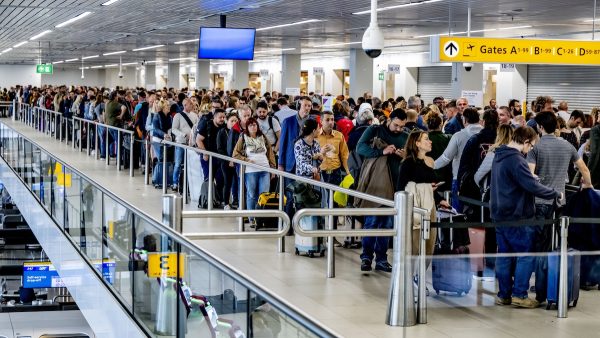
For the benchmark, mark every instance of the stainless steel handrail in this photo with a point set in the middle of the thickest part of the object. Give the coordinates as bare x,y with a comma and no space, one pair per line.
244,280
238,213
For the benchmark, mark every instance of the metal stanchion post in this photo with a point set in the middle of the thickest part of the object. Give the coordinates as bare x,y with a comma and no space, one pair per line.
241,196
330,241
118,145
107,145
401,303
96,140
211,181
80,135
131,145
60,128
563,282
185,175
87,140
147,160
281,207
171,214
14,110
422,298
73,133
164,166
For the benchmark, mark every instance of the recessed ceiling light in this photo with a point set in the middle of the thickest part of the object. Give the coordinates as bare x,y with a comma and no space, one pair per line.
185,41
40,35
20,44
149,47
410,4
287,25
70,21
90,57
110,2
115,53
71,60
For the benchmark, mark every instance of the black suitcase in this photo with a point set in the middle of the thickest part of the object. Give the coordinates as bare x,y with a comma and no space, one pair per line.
268,201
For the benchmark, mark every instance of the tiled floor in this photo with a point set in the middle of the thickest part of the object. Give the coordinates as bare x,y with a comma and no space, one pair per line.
354,303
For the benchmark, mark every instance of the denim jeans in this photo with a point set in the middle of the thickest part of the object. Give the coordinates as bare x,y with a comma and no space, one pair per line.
376,245
514,240
256,184
158,153
456,204
179,154
543,243
102,140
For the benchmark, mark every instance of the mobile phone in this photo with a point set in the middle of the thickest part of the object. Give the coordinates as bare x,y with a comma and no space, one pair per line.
439,183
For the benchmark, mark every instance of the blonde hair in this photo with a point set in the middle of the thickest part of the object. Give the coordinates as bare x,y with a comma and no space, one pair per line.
435,108
161,105
503,136
412,115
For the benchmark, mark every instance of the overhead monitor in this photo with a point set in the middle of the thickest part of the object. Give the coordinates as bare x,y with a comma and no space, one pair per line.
41,275
226,43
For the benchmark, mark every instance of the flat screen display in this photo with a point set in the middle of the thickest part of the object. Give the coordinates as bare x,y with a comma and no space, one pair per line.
41,275
226,43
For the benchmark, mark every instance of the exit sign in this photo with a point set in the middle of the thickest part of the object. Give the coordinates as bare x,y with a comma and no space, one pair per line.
44,69
381,76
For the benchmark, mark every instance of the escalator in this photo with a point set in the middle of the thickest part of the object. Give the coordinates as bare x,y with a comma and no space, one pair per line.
130,275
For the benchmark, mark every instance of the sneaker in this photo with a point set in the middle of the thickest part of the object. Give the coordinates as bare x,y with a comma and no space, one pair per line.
526,302
175,188
503,301
383,266
365,265
227,207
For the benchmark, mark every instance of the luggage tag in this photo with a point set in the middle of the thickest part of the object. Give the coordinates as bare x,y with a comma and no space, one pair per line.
238,333
187,292
212,315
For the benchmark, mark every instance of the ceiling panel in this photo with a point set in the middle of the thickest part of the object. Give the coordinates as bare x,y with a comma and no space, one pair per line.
130,24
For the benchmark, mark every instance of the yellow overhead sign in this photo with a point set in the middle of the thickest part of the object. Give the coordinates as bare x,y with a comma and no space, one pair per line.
468,49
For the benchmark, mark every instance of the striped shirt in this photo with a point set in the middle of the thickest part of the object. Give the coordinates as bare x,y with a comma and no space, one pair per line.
552,156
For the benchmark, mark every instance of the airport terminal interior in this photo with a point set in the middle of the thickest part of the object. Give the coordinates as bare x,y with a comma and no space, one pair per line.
271,168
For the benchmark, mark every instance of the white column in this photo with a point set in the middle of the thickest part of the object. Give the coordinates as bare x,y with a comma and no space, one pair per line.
150,80
173,75
239,76
466,80
511,85
361,73
290,71
202,74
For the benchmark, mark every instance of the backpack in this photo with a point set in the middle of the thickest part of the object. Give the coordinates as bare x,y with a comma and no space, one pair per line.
203,119
270,119
355,162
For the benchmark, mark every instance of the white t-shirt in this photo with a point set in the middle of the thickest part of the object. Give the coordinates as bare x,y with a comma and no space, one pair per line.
266,129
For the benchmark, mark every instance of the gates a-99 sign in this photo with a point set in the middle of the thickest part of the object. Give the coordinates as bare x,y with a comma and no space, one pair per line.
490,50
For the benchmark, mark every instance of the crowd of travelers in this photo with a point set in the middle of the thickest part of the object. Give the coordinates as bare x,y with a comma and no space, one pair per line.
519,163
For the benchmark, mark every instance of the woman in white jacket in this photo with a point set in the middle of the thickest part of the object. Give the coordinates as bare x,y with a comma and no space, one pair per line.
181,130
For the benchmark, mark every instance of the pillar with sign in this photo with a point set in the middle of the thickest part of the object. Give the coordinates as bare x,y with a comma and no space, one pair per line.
202,74
514,83
290,72
361,73
239,76
470,81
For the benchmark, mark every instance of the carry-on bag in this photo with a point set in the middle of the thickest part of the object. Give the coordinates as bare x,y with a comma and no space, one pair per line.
450,274
268,201
573,277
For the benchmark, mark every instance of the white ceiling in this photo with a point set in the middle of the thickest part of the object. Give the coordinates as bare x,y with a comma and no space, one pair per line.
130,24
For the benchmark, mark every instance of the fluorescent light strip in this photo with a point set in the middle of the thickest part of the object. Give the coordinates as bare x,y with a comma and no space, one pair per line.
40,35
7,50
70,21
90,57
475,31
57,62
185,41
111,65
289,24
591,20
155,61
336,44
96,67
115,53
110,2
181,59
84,67
129,64
410,4
265,60
514,27
20,44
149,47
71,60
274,51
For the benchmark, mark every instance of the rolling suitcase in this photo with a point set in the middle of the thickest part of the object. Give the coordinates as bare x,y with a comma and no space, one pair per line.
573,277
450,274
268,201
309,245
